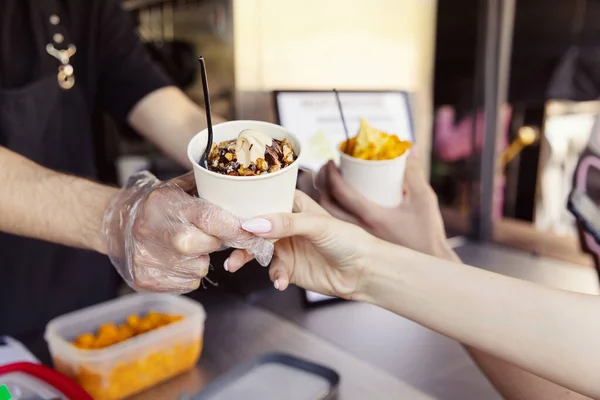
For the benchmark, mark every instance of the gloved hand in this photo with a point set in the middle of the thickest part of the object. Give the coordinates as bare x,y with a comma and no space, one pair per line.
159,237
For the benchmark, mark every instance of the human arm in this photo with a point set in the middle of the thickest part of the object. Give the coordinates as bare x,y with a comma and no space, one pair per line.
512,382
157,235
548,332
39,203
134,90
417,224
169,119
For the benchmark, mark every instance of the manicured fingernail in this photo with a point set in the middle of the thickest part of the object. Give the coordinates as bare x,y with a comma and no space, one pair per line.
257,225
276,284
226,265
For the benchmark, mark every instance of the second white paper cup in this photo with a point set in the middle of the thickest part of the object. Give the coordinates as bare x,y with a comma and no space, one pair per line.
246,196
379,181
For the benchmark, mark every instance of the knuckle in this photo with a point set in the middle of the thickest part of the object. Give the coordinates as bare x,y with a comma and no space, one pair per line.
272,272
154,197
212,244
335,189
287,222
300,201
430,197
146,282
139,228
376,217
192,285
197,268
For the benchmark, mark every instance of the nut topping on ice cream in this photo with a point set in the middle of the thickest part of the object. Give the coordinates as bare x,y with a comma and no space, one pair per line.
252,153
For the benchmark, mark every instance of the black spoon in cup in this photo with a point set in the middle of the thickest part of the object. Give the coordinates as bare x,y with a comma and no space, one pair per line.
209,142
339,103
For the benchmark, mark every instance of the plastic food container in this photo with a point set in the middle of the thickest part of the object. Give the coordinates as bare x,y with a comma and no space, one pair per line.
135,364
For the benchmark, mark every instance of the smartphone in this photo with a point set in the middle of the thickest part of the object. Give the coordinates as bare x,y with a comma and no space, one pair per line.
586,212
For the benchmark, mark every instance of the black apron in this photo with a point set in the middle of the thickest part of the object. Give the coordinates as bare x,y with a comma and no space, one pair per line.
51,126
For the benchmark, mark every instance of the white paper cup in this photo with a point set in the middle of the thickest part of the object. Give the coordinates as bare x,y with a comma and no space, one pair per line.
379,181
246,196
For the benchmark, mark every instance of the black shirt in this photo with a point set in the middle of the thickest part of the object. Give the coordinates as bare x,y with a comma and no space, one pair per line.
111,63
54,128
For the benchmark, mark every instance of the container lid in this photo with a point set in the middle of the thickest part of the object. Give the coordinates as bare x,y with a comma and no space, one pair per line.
274,377
28,381
13,351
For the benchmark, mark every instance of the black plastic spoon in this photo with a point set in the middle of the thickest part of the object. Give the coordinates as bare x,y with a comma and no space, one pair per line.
203,159
347,143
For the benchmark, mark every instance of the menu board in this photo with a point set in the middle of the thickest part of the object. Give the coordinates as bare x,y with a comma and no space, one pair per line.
314,117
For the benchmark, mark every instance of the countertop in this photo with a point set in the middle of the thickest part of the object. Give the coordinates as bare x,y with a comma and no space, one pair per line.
237,332
378,354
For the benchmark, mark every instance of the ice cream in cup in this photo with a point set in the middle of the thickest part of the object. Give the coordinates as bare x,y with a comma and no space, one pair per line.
252,167
374,162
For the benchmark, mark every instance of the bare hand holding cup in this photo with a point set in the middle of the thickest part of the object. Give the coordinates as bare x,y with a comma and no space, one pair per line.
415,223
314,250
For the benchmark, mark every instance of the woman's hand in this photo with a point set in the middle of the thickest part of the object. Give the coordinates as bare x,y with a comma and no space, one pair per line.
314,251
416,223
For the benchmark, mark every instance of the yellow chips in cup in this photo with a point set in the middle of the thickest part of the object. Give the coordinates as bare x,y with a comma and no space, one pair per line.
373,144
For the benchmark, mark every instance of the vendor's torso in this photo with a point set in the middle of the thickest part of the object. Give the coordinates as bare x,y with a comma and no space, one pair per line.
51,126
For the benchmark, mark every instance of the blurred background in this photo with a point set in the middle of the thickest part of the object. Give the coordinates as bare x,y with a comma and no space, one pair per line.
503,102
431,50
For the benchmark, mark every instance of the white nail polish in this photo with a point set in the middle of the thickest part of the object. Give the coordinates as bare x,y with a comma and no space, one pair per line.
257,225
226,265
276,284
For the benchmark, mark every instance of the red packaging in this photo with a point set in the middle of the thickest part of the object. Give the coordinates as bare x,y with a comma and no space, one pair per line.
26,379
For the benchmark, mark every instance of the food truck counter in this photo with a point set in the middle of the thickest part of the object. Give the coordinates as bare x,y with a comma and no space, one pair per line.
236,332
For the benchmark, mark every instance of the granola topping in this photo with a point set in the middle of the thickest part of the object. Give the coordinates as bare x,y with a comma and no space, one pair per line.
277,155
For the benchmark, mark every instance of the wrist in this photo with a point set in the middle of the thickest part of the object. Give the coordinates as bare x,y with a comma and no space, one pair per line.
119,209
383,263
104,196
391,270
442,249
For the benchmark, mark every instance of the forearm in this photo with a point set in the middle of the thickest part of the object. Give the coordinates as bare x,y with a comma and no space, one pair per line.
514,383
511,381
169,119
43,204
548,332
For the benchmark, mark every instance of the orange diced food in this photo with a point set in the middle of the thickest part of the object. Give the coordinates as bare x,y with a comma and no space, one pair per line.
133,321
85,341
372,144
109,334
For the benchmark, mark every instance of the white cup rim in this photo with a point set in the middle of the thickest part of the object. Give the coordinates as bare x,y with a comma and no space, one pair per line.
243,178
348,157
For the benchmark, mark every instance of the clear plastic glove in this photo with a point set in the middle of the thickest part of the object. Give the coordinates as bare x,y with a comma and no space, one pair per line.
158,235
